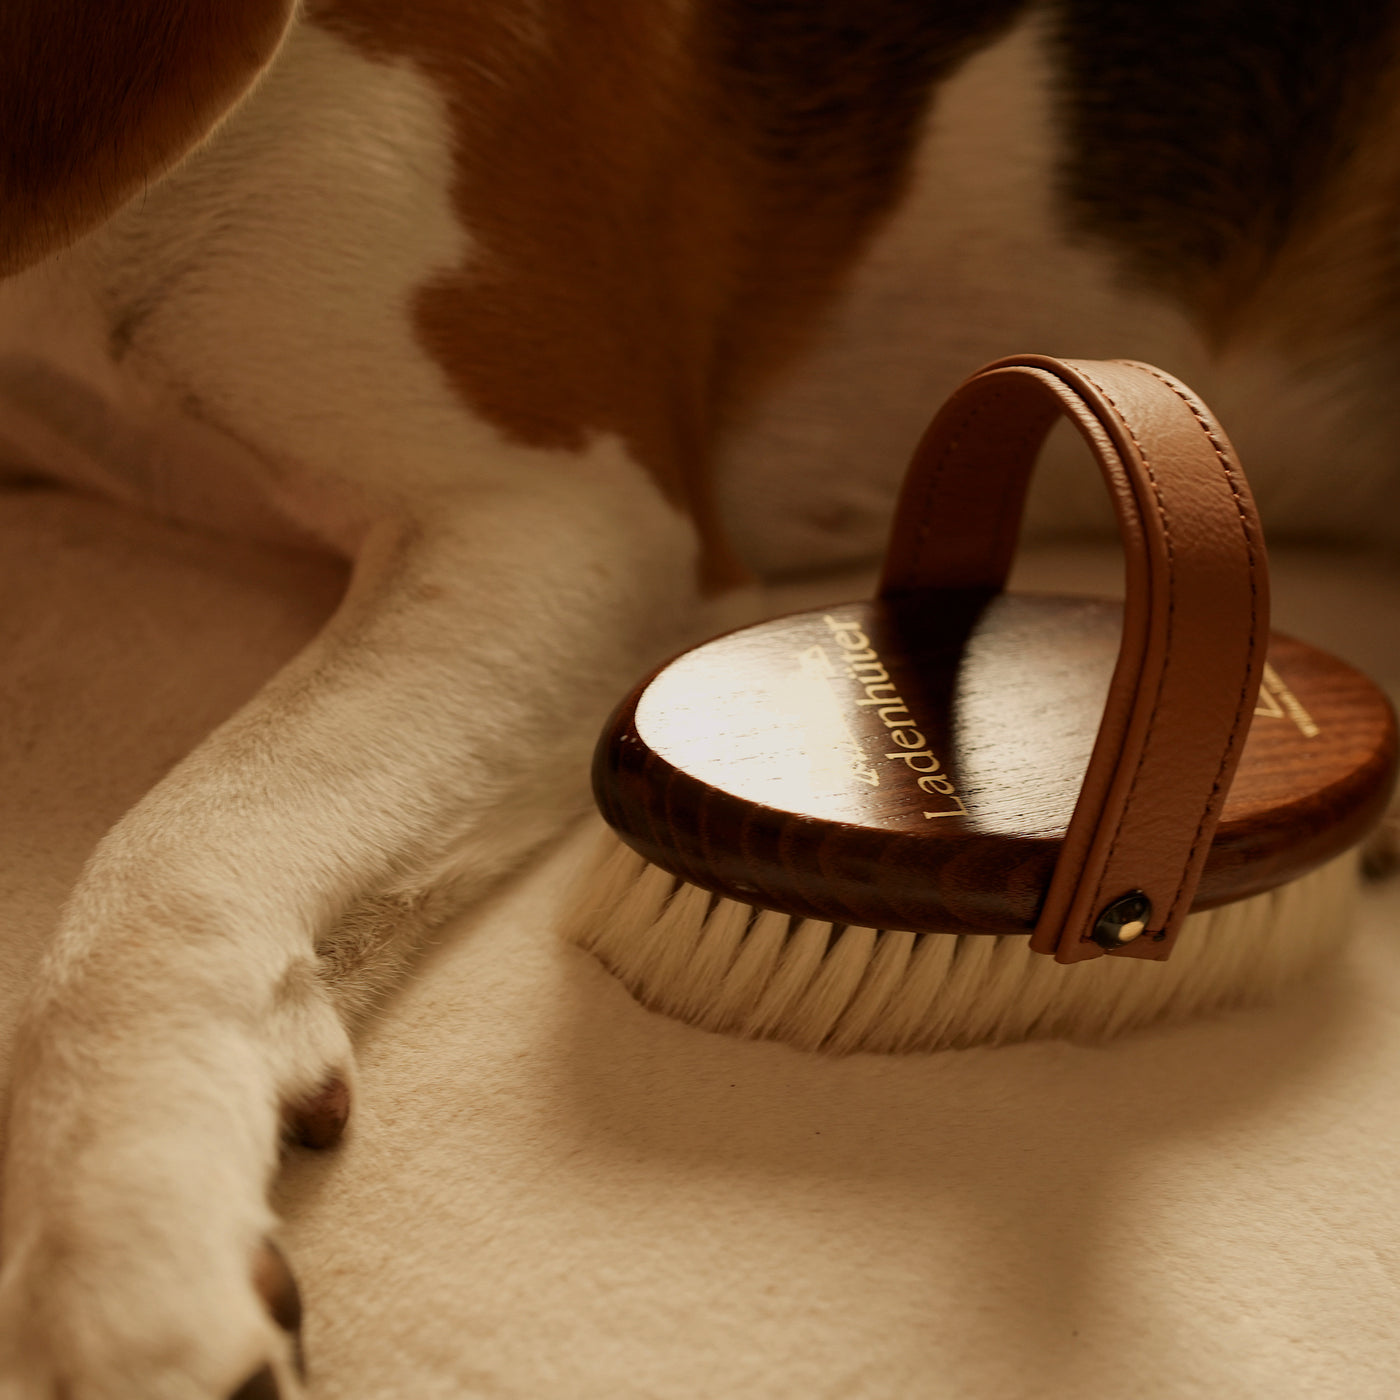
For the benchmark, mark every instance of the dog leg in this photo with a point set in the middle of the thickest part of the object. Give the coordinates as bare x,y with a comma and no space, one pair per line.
441,721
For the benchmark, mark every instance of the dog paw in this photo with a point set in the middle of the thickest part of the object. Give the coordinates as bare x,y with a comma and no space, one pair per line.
68,1334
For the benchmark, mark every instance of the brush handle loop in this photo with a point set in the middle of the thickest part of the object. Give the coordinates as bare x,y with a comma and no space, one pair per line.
1195,620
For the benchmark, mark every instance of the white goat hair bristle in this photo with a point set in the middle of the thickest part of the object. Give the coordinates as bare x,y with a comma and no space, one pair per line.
728,967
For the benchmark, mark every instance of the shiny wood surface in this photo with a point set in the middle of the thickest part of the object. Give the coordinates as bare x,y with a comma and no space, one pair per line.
914,763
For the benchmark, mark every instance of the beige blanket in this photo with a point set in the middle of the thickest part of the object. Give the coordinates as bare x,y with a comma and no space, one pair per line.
550,1193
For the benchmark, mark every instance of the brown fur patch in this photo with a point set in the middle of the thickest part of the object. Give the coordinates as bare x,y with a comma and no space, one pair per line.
96,100
662,197
1209,144
1332,291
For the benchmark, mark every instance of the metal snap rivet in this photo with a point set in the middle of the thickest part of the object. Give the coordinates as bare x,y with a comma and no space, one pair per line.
1124,920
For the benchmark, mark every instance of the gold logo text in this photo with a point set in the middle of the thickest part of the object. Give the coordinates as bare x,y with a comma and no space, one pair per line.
863,665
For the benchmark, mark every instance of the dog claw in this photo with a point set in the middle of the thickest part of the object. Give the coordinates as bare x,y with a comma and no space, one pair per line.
277,1287
261,1385
319,1120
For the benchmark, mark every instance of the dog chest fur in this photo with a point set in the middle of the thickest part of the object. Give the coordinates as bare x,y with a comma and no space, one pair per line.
474,228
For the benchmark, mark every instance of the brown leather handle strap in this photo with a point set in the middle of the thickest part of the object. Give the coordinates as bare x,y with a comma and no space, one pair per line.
1195,621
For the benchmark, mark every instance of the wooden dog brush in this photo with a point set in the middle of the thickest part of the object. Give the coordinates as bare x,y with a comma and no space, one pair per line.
951,815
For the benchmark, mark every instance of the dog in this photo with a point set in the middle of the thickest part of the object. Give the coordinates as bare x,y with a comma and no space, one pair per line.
563,320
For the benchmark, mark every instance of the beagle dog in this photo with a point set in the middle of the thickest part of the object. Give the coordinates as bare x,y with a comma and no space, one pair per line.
560,319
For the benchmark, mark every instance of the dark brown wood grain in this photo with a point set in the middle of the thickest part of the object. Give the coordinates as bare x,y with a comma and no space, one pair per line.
914,763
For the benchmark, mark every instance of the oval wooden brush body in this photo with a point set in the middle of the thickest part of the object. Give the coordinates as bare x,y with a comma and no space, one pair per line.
758,766
847,821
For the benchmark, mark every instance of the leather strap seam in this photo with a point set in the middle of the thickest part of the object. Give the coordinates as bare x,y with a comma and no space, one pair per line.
1238,725
1168,652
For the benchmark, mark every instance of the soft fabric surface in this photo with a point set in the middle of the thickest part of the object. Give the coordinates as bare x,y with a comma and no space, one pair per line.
550,1193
